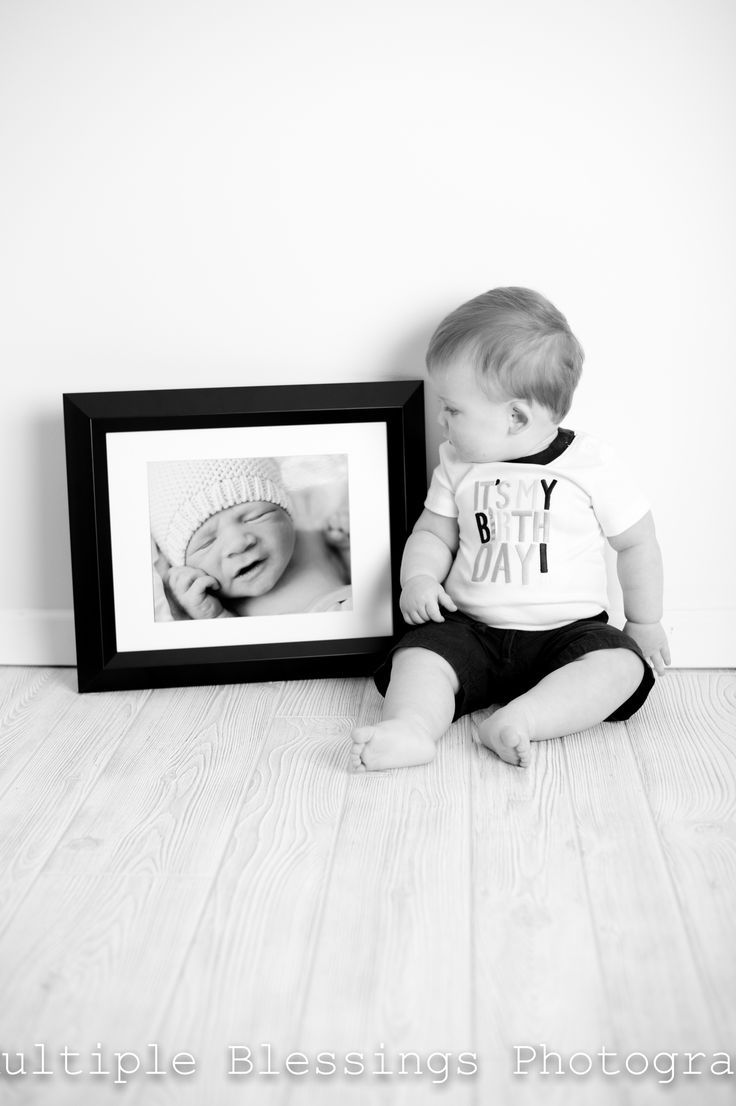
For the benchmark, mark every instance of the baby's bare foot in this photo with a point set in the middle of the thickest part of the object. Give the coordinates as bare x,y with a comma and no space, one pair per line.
389,744
508,740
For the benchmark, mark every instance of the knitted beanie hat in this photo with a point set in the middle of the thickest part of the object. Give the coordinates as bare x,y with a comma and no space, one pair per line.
184,494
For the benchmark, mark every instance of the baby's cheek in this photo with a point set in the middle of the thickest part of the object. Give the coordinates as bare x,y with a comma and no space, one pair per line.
205,562
286,539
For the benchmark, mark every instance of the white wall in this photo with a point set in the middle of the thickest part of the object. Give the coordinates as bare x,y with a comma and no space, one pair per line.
200,192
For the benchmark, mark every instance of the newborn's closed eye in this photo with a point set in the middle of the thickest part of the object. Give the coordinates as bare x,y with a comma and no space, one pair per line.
201,542
250,516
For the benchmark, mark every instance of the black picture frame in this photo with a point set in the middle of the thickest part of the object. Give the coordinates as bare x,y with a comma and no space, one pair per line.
92,422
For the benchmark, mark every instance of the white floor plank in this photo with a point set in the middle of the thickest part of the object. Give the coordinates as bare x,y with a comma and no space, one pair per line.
197,868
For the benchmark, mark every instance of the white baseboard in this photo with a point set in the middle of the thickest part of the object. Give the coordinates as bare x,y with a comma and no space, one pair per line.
37,637
702,639
698,639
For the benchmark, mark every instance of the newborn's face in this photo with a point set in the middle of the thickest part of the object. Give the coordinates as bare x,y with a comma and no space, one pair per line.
246,548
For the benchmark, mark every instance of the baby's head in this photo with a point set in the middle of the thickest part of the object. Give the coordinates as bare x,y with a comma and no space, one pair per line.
518,344
504,366
229,517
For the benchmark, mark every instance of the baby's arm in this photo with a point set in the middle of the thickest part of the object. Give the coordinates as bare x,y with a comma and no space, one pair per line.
639,566
428,556
191,589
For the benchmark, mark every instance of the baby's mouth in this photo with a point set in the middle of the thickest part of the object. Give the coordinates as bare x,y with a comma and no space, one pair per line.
250,569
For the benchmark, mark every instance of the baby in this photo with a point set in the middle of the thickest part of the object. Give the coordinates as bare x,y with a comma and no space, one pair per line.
230,545
503,577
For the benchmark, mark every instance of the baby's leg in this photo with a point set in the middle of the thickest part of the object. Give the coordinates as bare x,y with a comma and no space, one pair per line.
418,708
575,697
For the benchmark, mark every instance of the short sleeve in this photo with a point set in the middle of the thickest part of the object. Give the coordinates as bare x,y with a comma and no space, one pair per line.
441,494
618,501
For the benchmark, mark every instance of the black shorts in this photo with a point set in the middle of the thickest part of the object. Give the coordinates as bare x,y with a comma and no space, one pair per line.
495,666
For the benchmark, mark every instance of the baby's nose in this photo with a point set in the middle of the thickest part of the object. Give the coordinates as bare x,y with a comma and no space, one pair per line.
239,539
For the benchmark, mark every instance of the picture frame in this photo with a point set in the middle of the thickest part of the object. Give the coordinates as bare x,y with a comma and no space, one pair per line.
137,626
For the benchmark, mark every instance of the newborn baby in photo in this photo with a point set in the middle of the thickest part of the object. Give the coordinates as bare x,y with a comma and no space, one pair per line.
229,543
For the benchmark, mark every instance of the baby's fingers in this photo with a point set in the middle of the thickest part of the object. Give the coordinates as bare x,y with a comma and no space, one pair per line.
432,606
414,617
200,584
423,610
447,602
182,577
658,663
433,611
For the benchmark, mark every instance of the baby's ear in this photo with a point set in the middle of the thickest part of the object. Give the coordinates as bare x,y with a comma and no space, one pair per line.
519,416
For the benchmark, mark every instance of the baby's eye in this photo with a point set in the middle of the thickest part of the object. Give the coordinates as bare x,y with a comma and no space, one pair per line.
250,517
451,410
202,543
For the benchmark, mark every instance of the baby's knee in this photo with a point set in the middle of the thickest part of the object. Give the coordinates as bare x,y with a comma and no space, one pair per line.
629,663
415,662
621,665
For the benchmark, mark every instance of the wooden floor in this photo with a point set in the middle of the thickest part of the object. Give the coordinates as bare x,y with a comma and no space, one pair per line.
196,869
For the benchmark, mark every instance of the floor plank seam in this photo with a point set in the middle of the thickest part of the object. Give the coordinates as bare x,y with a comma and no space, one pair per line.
72,815
311,951
593,921
168,1001
473,770
57,720
689,937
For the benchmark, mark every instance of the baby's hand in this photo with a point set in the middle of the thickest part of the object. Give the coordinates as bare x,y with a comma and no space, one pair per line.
337,530
191,590
652,640
421,598
337,537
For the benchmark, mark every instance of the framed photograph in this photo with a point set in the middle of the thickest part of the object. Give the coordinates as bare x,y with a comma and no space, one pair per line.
225,535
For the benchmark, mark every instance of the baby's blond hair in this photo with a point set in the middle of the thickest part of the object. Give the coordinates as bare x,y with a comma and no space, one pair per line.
520,344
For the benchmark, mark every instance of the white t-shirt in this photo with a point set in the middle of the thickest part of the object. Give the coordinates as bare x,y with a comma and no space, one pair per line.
532,532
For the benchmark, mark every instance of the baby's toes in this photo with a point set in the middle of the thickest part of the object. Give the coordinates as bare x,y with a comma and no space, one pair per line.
356,755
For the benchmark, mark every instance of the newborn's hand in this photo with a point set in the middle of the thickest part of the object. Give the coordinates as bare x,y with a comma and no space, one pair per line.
421,599
191,587
337,537
652,640
337,530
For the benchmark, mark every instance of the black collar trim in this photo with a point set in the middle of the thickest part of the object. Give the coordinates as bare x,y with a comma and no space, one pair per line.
551,453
